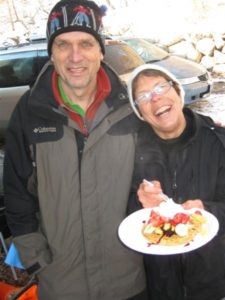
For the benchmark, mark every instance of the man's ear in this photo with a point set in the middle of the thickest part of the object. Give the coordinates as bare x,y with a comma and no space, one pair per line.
51,58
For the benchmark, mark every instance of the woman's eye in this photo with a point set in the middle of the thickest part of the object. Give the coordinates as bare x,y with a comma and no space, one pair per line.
144,97
159,89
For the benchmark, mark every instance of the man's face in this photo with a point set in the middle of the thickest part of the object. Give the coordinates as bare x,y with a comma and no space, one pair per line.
77,57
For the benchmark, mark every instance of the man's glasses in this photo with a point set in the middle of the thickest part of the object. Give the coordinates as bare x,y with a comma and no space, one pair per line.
160,89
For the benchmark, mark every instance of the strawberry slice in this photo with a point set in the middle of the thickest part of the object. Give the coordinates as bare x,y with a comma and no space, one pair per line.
156,220
180,218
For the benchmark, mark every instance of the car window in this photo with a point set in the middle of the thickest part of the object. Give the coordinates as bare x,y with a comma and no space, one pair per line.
147,51
18,69
42,58
121,58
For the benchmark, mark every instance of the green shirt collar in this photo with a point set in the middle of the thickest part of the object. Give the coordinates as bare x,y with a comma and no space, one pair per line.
72,105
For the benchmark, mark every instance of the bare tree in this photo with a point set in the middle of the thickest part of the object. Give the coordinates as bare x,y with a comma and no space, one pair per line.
13,15
10,15
43,7
109,2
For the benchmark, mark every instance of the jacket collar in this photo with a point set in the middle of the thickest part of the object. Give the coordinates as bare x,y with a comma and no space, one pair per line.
42,99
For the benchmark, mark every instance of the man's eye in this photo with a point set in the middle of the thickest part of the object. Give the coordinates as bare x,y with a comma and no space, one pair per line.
62,45
86,44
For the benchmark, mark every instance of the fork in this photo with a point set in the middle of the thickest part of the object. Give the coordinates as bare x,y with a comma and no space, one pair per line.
165,197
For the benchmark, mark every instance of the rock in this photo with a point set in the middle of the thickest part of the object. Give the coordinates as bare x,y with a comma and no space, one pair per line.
170,40
208,62
219,69
219,42
223,49
206,46
183,48
193,54
219,57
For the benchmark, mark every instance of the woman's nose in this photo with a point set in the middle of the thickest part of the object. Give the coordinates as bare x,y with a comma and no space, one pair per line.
155,96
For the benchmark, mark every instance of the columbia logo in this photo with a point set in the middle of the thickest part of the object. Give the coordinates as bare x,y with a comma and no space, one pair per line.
44,129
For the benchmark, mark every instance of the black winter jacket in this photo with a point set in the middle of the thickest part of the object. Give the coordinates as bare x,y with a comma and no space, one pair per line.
190,167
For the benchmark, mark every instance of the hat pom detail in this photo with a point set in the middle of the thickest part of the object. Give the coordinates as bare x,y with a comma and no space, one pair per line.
103,9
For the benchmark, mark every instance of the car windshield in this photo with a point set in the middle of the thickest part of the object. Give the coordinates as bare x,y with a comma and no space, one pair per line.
148,52
122,58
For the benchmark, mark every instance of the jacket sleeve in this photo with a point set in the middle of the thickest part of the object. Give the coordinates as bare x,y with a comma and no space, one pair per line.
217,205
133,203
21,204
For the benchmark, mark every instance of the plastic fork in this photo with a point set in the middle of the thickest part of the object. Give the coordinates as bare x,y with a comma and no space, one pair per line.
164,196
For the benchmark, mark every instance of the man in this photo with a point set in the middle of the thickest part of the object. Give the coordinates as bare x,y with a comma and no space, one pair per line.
183,154
68,166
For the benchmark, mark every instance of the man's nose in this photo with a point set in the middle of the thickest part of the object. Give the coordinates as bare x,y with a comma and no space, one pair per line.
75,53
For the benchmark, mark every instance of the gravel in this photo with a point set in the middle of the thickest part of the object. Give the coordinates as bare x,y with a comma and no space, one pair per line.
6,274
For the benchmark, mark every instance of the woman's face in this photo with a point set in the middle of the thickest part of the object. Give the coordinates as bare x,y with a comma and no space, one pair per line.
162,111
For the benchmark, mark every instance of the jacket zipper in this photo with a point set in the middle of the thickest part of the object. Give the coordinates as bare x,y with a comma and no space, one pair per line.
174,185
84,129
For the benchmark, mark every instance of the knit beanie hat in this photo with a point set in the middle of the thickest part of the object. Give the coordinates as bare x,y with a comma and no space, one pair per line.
142,68
75,15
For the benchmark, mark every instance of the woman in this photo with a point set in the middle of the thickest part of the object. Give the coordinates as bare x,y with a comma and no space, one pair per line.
183,154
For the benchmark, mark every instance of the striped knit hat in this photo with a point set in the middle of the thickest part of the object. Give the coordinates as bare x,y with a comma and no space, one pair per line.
75,15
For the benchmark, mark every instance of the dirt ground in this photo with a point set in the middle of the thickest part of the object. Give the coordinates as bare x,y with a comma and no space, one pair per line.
218,84
6,274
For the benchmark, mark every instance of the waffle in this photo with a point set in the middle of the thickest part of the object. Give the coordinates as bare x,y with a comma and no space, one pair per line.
181,229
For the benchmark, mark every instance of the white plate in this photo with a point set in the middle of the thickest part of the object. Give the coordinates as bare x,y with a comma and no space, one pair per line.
130,234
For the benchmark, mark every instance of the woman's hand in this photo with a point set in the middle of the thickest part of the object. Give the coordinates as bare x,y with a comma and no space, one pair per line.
197,203
150,196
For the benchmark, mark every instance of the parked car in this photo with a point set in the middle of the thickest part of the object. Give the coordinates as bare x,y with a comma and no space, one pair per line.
20,66
194,78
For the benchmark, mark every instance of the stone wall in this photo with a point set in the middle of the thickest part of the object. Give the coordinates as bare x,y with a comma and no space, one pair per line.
207,50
